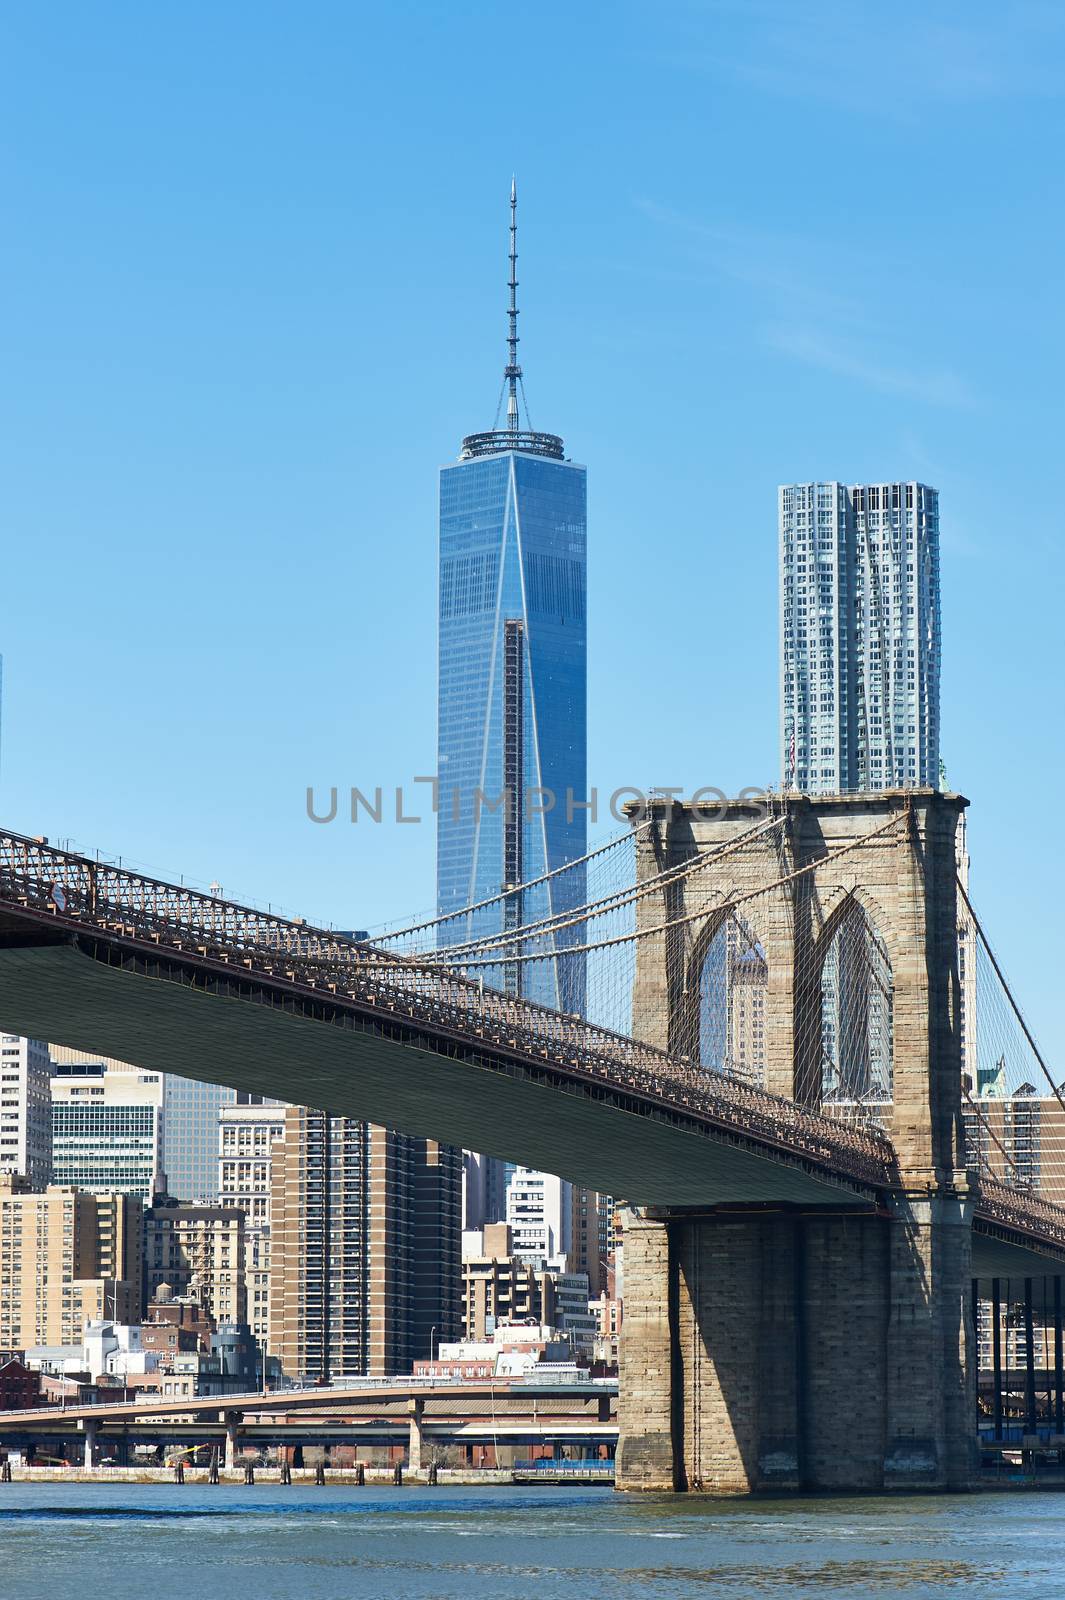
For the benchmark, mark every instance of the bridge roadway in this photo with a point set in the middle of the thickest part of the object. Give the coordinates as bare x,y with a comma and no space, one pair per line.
106,960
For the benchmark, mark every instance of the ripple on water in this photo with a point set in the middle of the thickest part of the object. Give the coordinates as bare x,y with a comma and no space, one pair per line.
67,1541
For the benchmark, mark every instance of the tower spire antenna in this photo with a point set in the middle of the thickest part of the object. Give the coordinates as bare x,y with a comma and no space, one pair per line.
509,434
512,371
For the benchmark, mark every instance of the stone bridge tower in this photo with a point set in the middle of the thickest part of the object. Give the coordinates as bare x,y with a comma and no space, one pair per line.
830,1348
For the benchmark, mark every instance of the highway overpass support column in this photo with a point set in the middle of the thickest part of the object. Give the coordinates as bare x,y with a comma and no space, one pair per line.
779,1351
232,1420
414,1449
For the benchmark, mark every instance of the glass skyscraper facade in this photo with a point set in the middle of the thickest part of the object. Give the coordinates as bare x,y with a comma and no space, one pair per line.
512,687
190,1137
859,636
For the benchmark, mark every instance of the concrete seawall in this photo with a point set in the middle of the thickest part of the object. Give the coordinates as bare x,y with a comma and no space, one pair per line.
375,1477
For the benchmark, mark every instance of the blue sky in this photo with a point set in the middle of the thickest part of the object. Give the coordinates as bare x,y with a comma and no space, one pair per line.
252,294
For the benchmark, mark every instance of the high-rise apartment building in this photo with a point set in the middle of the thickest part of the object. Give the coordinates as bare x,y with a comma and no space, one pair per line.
107,1127
197,1248
66,1258
500,1284
539,1214
590,1214
355,1212
25,1108
190,1137
436,1245
859,636
120,1243
246,1139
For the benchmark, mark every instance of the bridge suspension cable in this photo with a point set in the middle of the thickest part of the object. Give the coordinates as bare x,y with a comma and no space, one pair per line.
616,841
1014,1103
455,954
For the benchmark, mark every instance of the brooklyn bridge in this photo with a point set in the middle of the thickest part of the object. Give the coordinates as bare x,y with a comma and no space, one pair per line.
779,1036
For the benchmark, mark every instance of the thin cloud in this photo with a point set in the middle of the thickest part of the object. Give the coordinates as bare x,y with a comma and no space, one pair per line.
815,349
898,66
753,259
810,320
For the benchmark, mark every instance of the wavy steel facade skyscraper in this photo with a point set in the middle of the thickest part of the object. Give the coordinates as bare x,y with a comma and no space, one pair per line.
859,636
512,682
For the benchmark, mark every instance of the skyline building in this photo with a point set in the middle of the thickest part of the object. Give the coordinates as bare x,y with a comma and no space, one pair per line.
859,636
25,1108
512,759
190,1137
365,1273
540,1215
200,1249
484,1189
107,1127
246,1138
68,1258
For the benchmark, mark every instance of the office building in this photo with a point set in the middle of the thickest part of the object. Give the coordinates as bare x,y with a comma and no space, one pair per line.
107,1127
246,1139
66,1258
25,1108
859,636
512,683
190,1137
64,1055
364,1247
197,1249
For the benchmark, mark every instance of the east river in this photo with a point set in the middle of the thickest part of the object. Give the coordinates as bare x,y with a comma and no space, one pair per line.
161,1542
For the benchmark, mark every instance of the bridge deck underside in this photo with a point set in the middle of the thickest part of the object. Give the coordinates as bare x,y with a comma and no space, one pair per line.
998,1256
63,994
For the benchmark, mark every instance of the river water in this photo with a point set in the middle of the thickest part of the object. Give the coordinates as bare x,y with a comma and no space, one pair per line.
162,1542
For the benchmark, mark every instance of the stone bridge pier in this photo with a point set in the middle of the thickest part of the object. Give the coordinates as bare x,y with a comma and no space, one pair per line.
825,1348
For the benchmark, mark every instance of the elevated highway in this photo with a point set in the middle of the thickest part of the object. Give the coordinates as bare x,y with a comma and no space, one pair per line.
421,1416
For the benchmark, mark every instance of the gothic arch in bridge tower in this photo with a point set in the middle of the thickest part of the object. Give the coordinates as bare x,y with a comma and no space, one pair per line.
725,997
856,985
